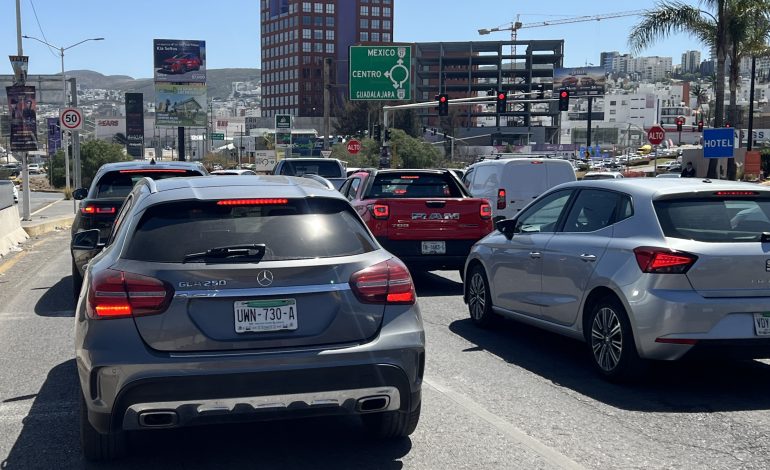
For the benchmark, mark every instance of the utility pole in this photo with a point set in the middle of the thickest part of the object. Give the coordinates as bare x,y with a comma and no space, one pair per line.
75,139
27,193
326,84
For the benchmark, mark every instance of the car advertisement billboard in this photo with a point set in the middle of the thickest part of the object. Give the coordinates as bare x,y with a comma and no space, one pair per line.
22,108
580,81
179,61
180,105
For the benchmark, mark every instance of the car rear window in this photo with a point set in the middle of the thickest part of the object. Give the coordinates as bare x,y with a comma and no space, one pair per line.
414,185
327,169
296,229
718,220
120,183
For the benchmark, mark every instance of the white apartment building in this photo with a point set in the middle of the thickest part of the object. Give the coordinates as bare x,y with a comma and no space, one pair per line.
691,62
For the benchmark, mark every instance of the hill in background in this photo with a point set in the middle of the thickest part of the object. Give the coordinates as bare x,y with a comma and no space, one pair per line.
219,81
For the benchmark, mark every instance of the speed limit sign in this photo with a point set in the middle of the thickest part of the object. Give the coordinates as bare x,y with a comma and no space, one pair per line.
71,119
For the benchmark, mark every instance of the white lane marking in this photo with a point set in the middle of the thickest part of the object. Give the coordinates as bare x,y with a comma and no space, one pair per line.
46,207
553,457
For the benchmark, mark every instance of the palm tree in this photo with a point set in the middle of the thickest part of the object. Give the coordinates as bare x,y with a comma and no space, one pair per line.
673,17
699,93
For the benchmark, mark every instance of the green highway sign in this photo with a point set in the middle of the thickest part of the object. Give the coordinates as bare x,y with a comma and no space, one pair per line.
380,72
283,121
217,136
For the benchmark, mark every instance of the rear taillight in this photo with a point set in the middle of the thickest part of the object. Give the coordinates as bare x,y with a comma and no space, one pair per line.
663,260
485,211
91,209
501,198
116,294
380,211
388,282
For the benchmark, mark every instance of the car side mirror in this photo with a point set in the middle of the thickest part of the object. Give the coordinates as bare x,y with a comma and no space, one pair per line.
80,194
86,240
506,227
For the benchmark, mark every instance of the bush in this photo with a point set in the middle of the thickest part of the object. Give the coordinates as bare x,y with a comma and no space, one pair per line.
93,154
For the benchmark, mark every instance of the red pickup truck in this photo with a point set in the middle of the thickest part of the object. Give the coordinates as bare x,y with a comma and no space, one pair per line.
425,217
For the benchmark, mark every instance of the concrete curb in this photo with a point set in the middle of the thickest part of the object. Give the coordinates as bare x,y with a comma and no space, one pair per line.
39,228
11,233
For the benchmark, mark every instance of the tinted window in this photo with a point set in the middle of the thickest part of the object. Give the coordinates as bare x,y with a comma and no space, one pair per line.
593,210
299,229
414,185
120,183
714,219
327,169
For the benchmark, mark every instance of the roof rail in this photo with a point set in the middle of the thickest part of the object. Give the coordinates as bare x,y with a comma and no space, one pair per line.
150,183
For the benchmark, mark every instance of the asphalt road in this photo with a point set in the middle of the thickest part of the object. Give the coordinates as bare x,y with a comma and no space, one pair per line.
514,397
38,200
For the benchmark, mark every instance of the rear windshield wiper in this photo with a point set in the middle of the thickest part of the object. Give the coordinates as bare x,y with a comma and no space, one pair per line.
225,252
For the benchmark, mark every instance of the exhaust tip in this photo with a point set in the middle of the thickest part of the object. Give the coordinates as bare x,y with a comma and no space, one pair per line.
158,419
374,403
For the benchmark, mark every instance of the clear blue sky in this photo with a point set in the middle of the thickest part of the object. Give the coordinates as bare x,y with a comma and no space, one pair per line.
231,29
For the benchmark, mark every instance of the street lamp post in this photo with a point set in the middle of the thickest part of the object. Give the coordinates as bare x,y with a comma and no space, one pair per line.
64,101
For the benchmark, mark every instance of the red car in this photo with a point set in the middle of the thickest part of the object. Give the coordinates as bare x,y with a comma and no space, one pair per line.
425,217
181,63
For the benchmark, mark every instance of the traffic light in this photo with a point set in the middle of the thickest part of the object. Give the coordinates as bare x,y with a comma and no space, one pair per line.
387,135
502,101
377,132
727,124
700,126
679,126
443,104
563,100
540,89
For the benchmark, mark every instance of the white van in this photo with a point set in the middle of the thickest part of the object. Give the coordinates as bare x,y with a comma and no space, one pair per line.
511,183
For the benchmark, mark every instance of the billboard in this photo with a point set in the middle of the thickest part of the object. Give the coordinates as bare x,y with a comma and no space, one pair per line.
179,61
22,108
580,81
180,105
135,125
54,135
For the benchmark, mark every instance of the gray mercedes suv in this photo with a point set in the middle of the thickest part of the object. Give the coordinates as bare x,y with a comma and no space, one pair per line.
242,297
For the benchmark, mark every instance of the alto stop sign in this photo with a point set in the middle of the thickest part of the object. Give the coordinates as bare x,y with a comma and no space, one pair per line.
354,146
656,134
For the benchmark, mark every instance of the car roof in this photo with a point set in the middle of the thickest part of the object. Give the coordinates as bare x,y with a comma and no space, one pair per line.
237,186
145,164
654,188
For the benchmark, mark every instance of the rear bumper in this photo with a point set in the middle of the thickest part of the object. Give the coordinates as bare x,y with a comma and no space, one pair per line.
223,398
410,252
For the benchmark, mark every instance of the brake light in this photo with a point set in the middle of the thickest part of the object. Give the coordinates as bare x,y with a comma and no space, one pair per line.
117,294
90,209
154,171
736,193
663,260
485,211
388,282
536,162
501,199
252,202
380,211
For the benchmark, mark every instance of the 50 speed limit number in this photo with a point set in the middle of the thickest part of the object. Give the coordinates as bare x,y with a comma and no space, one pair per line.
71,119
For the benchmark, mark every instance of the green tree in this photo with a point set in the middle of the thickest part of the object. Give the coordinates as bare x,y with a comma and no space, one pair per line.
93,154
408,152
357,118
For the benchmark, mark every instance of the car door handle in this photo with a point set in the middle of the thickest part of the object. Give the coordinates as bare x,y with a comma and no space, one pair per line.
587,257
535,255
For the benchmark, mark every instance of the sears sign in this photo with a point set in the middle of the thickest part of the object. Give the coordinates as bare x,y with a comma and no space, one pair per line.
718,143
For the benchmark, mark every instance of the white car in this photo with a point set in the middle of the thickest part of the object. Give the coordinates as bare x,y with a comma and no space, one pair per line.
602,175
34,169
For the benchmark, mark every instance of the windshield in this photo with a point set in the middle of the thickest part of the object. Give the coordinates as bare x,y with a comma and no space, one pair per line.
714,219
120,183
298,229
327,169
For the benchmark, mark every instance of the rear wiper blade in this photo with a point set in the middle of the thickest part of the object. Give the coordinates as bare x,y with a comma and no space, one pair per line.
254,250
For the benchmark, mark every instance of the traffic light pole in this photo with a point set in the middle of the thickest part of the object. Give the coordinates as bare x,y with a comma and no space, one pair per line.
590,113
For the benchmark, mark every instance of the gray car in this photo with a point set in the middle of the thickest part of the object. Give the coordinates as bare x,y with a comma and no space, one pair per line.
226,298
638,268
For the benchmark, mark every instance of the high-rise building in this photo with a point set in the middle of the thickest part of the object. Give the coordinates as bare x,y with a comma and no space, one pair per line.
297,36
691,62
606,58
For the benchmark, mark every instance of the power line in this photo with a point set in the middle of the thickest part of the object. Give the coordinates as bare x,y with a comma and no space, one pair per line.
50,49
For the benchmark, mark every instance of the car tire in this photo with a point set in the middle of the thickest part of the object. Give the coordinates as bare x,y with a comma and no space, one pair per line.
479,298
611,342
391,424
77,281
99,447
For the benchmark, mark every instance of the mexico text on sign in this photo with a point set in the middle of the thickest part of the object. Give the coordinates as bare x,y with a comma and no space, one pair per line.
380,72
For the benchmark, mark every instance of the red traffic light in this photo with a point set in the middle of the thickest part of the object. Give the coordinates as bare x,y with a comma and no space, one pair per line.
564,94
501,96
442,99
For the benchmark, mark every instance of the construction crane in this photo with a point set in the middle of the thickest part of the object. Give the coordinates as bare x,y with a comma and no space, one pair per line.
515,26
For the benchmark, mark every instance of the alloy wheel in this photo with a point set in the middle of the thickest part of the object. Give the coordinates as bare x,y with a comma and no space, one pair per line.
606,339
477,296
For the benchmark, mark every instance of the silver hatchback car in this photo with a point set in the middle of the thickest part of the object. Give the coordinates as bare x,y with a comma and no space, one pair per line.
242,297
637,268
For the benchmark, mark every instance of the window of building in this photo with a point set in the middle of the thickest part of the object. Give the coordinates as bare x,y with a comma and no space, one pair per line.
318,21
318,8
375,37
375,24
305,34
386,11
329,21
386,37
364,10
329,48
385,24
318,34
613,103
318,47
305,47
330,35
306,20
364,36
363,23
306,7
329,8
375,11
